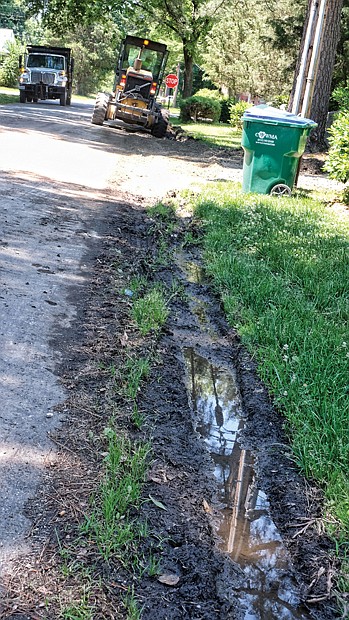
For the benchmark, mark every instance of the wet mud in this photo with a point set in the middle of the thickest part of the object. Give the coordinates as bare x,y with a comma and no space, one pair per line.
255,500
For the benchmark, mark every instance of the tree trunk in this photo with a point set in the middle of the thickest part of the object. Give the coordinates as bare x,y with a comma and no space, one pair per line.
188,73
322,89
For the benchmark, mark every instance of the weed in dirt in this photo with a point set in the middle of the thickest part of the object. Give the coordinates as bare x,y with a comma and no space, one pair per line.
150,312
80,609
162,211
282,270
138,284
132,607
109,524
133,372
137,417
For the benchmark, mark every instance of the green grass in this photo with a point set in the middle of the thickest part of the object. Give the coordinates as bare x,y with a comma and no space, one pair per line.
217,134
150,312
282,269
8,95
109,524
135,370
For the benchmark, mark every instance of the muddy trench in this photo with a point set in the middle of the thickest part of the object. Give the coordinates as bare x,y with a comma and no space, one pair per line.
241,529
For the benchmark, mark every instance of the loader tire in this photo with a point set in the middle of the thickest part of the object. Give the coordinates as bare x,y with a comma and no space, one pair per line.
159,129
22,97
100,110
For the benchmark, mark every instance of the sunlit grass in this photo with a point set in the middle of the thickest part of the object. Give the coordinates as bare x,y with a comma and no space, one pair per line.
218,134
281,267
8,95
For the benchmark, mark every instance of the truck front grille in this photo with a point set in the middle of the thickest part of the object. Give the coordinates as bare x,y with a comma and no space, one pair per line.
42,76
138,85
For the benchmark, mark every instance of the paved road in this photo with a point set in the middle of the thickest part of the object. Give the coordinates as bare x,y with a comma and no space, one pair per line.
51,183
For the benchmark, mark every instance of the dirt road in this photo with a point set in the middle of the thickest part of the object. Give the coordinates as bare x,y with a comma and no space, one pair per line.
72,194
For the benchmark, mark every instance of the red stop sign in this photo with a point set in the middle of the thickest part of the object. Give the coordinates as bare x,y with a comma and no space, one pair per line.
171,80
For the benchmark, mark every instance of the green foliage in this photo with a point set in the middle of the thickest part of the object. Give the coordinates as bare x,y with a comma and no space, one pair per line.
9,69
236,111
226,103
337,163
341,96
150,312
240,52
13,15
209,93
200,108
110,525
93,48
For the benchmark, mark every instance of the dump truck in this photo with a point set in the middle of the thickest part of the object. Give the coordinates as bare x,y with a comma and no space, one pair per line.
139,72
46,73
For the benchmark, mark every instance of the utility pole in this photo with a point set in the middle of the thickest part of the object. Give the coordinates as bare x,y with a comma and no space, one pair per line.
310,59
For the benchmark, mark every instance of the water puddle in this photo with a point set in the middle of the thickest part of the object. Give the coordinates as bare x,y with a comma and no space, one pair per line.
247,531
193,271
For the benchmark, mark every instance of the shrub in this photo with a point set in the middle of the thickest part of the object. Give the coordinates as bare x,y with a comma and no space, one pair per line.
208,93
341,96
337,163
9,71
226,104
236,112
200,108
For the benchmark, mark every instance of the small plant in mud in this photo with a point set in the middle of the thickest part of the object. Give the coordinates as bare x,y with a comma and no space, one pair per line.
133,372
162,211
109,525
78,610
150,312
131,605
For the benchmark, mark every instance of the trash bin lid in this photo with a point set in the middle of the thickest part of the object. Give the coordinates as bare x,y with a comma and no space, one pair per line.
275,116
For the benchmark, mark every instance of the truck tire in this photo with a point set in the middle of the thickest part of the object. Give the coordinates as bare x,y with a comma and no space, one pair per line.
159,129
63,98
100,109
22,97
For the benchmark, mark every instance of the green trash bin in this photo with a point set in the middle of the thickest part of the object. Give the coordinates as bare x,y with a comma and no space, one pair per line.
273,141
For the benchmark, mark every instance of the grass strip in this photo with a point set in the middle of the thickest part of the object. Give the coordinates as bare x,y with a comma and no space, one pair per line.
5,98
214,134
281,267
110,525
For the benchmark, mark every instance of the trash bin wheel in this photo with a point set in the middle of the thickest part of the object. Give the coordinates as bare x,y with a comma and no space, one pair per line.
280,190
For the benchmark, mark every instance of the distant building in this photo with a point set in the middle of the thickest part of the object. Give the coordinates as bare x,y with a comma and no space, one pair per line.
6,36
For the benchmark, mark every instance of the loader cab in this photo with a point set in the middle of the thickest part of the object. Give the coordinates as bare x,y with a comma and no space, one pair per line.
142,55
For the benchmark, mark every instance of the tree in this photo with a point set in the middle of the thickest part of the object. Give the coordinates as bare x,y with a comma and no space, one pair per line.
12,15
323,84
240,50
189,20
93,49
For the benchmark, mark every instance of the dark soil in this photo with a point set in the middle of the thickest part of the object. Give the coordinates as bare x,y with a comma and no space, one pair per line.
182,531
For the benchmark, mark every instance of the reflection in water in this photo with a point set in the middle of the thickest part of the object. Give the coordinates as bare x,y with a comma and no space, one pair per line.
248,534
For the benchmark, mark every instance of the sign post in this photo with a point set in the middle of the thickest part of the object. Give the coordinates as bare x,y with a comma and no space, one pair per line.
171,81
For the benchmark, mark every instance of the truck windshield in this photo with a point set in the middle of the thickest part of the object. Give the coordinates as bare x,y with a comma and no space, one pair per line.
151,60
45,61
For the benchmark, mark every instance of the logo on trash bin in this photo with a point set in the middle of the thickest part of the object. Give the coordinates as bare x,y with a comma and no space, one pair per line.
266,138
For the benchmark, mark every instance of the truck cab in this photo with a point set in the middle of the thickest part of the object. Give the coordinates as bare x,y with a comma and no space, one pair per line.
46,73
